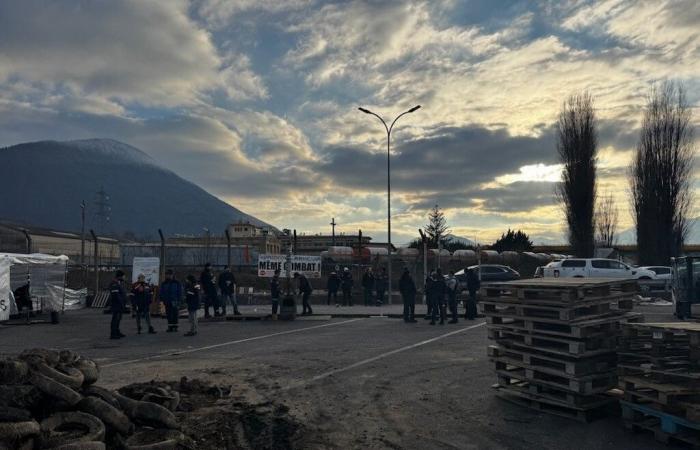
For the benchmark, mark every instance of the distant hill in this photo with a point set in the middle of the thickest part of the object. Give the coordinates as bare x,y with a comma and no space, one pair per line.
44,183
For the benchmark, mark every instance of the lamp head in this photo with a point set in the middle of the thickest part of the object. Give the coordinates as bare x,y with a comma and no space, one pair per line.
364,110
415,108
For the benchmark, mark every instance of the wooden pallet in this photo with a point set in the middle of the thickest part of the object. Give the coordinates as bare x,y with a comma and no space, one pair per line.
564,290
548,314
589,384
581,329
680,377
666,427
545,405
591,346
563,397
617,301
666,346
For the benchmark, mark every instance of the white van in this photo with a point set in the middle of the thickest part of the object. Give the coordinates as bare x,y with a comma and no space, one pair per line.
594,268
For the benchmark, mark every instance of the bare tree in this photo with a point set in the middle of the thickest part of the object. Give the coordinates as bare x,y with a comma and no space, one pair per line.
606,217
437,226
661,175
577,144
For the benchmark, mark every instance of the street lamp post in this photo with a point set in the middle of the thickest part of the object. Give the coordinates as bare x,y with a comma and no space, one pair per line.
388,183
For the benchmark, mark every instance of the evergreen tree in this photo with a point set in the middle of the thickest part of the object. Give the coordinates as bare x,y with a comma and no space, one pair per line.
514,241
436,228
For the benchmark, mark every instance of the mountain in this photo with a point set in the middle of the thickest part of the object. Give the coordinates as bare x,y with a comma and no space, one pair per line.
45,182
459,239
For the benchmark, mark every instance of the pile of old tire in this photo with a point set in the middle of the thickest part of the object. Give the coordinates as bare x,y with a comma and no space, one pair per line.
49,400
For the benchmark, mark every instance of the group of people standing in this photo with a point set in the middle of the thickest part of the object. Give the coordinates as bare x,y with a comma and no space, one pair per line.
172,293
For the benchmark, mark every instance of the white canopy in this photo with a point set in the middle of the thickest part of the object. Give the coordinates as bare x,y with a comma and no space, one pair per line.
47,275
33,258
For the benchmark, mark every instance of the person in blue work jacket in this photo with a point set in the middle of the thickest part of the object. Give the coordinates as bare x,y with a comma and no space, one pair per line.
171,296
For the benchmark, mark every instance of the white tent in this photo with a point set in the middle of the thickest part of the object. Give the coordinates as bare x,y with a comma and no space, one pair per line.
45,275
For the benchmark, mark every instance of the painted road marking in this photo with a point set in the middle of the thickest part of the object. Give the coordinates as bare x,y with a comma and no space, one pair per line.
223,344
378,357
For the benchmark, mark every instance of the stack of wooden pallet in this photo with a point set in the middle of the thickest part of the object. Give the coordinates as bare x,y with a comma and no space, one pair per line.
556,341
659,368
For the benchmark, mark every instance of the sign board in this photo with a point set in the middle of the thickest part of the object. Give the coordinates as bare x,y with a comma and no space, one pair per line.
150,267
308,265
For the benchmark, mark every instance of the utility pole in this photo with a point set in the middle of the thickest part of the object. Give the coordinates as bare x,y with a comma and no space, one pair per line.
424,240
102,210
82,233
333,224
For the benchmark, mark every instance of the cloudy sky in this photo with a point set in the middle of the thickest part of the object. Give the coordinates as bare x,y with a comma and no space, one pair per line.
256,100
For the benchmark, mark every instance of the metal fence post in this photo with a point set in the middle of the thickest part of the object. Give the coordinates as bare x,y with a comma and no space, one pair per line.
94,262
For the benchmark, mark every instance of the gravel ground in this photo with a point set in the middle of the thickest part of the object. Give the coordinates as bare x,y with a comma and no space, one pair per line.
352,382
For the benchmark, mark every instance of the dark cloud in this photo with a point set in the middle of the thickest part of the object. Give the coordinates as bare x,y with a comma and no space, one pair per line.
448,160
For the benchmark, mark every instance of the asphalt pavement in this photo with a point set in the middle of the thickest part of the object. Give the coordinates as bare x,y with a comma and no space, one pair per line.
360,379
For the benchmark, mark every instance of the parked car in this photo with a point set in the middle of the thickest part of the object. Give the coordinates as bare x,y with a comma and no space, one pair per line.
594,268
660,272
539,272
489,272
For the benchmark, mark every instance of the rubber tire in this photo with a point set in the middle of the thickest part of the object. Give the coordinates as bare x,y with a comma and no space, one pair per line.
10,414
54,389
20,395
50,357
15,431
90,370
73,378
170,441
92,445
147,412
104,394
49,438
169,401
114,419
13,371
68,357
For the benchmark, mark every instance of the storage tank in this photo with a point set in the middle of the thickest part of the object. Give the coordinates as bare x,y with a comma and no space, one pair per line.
442,252
510,258
465,257
490,257
409,252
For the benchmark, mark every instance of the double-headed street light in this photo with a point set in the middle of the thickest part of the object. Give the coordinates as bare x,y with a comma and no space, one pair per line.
388,183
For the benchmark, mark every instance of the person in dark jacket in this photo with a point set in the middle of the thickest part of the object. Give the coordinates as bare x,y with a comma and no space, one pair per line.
408,293
275,292
206,281
473,285
368,285
171,296
346,283
192,296
305,289
227,287
439,297
117,297
333,285
380,284
429,297
142,295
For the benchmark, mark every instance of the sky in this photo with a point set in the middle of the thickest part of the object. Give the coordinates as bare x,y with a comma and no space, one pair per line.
256,100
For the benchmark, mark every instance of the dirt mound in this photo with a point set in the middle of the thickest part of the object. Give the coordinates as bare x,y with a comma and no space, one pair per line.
48,399
211,418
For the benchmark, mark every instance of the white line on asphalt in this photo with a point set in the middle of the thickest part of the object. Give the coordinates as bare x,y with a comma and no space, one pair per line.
239,341
383,355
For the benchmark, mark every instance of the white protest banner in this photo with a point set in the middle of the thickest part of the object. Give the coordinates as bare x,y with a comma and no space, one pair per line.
308,265
150,267
267,264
